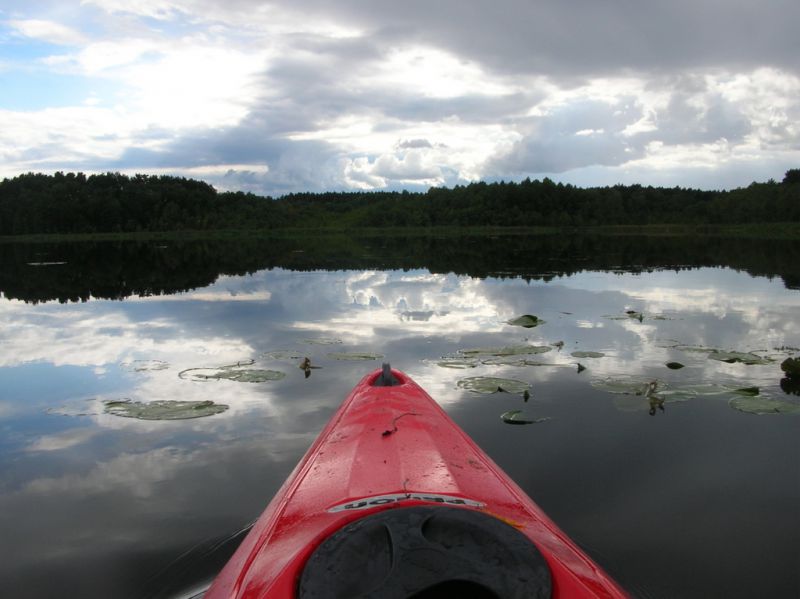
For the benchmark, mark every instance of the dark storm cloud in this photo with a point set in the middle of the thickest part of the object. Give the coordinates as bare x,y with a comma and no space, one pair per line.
585,37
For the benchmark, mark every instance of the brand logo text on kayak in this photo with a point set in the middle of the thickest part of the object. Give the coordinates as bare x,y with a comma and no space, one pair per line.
378,500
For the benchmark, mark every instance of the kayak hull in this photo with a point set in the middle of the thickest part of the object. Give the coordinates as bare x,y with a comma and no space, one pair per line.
390,447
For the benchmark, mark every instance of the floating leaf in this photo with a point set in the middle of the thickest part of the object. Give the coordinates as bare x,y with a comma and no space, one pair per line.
747,391
354,356
513,361
517,417
652,387
163,410
587,354
686,392
323,341
526,320
232,372
674,365
510,350
628,385
458,363
488,384
732,357
250,375
763,405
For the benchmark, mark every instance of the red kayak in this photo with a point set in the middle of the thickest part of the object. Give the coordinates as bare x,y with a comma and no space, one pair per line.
394,501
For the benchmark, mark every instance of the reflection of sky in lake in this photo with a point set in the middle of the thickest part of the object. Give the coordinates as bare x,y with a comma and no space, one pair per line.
134,495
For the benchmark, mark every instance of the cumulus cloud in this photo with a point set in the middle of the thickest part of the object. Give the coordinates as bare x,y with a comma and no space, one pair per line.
307,96
48,31
573,135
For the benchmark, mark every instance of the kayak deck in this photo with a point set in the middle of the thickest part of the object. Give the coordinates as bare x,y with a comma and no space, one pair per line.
387,448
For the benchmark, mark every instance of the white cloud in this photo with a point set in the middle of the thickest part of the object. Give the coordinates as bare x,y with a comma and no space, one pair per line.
156,9
255,82
48,31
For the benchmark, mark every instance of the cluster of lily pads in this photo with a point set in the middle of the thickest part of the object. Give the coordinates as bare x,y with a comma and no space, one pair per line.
240,372
634,393
510,355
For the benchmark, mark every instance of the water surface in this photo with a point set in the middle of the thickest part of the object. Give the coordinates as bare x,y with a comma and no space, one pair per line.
689,498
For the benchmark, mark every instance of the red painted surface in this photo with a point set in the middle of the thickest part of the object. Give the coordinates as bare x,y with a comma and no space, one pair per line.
354,458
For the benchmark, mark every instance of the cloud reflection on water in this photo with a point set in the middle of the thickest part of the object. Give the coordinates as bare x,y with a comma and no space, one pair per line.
143,474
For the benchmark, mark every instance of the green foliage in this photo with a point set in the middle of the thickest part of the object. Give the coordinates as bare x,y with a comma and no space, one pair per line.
792,176
111,202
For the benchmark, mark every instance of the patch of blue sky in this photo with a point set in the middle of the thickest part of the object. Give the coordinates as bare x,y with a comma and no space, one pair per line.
16,49
37,90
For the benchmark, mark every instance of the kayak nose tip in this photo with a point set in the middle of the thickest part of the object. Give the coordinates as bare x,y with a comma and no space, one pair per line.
386,378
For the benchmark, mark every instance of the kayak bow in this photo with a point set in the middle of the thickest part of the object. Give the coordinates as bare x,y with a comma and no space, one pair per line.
394,500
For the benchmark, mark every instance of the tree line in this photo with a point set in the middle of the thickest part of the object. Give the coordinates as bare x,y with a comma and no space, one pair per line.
65,203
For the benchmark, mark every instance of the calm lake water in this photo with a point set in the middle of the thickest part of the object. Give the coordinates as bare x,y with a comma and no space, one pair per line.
685,491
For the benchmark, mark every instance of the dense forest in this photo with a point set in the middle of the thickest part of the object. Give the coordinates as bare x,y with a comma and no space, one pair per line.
112,202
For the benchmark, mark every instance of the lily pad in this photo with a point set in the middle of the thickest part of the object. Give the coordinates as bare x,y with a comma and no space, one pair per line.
323,341
512,361
517,417
731,357
686,392
510,350
674,365
354,356
163,410
628,385
526,320
250,375
489,384
232,372
763,405
458,363
587,354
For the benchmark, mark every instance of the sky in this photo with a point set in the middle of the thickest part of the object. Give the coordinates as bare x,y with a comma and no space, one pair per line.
314,95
